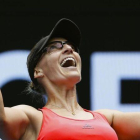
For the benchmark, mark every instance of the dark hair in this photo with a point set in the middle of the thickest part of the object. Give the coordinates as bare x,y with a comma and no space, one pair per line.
36,94
34,89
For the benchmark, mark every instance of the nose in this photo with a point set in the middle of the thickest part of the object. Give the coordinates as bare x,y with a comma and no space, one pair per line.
67,49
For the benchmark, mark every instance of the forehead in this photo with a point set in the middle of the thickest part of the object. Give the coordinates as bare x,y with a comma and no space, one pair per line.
57,39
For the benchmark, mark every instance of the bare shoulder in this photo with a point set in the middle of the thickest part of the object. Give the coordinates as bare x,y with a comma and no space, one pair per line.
32,113
21,111
20,118
125,124
109,114
28,110
35,121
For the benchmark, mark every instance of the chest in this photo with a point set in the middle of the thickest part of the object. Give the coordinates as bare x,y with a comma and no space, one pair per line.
60,128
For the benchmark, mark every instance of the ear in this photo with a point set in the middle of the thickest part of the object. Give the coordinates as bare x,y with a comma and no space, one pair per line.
38,73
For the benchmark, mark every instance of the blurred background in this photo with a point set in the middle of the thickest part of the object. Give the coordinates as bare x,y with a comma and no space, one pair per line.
110,49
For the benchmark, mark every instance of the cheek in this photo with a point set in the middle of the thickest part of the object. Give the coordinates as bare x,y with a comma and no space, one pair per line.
53,73
49,65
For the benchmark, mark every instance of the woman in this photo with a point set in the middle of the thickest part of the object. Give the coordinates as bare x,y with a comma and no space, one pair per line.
54,66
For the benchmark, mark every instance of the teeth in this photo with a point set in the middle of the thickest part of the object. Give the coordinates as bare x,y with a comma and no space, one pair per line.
68,58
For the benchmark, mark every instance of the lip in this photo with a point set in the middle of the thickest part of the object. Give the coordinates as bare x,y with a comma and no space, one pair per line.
70,67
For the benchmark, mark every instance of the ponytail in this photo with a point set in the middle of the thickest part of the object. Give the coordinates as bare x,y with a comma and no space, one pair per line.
37,95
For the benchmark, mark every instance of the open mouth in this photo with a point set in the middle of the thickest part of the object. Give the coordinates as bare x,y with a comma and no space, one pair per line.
68,62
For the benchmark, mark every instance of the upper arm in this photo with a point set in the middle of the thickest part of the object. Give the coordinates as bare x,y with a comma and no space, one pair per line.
15,123
127,125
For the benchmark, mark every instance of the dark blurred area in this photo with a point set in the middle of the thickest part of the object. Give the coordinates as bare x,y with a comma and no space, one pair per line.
105,26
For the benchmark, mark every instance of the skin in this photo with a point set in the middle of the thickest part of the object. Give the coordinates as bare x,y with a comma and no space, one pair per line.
60,82
24,122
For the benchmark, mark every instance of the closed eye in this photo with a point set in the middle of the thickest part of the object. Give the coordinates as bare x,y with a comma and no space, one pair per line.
53,47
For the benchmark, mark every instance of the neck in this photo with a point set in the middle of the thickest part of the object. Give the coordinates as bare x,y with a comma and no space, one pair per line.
64,98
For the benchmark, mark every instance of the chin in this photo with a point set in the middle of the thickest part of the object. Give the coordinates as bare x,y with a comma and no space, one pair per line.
74,79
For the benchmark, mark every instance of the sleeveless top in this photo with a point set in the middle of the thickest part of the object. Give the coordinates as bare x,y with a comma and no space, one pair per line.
56,127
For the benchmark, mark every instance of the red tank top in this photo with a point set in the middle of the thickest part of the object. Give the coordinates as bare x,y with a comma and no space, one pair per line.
56,127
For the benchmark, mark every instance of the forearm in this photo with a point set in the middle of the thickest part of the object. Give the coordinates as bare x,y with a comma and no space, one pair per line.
13,122
2,118
2,113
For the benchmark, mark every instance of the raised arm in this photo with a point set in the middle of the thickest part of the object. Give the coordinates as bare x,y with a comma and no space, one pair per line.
2,113
13,122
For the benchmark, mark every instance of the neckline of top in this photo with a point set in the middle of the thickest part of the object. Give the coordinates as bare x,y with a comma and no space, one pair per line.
94,117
